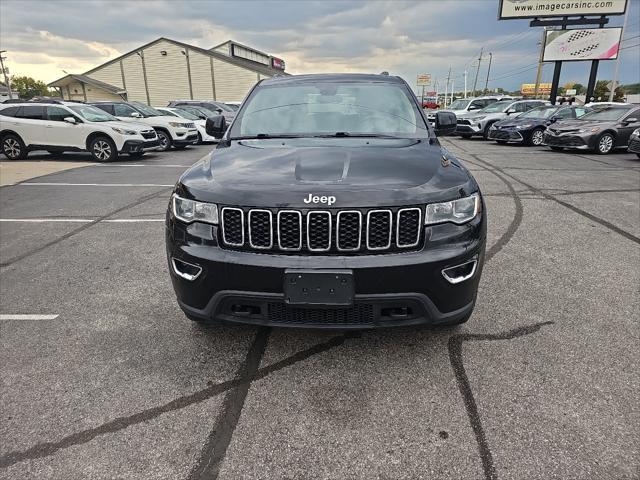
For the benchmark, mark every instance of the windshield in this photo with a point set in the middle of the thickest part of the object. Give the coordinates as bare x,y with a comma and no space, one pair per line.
93,114
540,112
168,112
233,107
606,113
330,108
145,110
497,107
203,111
459,104
184,114
224,107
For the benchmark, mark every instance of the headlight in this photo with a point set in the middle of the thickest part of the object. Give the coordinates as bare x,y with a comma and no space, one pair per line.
521,127
124,131
587,130
176,124
191,211
457,211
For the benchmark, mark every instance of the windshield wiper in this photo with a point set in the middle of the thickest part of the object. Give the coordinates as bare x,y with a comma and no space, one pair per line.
356,135
260,136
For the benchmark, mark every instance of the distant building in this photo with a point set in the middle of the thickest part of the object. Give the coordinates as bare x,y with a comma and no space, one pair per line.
165,70
4,93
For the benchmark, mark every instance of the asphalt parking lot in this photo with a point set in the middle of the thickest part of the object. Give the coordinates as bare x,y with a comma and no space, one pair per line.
114,382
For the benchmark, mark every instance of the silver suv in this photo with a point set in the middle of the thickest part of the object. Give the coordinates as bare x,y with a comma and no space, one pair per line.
479,122
462,106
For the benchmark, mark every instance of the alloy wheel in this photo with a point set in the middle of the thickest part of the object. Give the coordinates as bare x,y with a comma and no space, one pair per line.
163,140
536,137
605,143
11,148
102,150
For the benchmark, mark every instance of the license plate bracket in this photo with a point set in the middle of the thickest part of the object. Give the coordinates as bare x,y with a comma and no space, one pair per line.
314,287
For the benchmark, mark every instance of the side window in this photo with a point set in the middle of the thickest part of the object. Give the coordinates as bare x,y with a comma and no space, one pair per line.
58,114
105,106
565,113
521,107
9,112
580,111
122,110
32,112
478,104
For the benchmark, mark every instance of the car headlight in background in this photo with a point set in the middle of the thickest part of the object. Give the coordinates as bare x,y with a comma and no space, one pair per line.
189,211
589,130
178,124
457,211
124,131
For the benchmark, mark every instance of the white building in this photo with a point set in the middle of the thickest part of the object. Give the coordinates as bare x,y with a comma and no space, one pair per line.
165,70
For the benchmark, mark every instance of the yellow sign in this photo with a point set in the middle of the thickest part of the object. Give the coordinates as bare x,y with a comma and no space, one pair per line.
424,80
530,89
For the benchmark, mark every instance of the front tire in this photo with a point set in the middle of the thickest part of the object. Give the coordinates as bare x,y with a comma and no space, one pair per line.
485,132
604,145
13,147
103,149
164,140
536,138
200,142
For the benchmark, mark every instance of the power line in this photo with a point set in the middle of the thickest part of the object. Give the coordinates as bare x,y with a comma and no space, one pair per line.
631,46
535,65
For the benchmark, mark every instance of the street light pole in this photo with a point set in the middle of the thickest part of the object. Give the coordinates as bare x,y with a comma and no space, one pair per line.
6,77
465,84
615,70
475,82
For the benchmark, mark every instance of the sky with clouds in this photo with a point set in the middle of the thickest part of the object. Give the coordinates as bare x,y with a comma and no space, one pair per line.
43,38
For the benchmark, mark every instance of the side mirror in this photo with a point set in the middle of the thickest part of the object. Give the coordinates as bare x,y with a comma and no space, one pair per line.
219,110
631,120
216,126
136,115
474,107
510,111
446,123
70,120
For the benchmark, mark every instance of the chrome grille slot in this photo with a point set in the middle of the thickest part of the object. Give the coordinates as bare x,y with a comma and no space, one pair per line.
319,231
260,229
349,230
408,227
379,229
233,226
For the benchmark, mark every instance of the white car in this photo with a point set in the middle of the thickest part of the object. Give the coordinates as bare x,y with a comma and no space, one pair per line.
171,133
201,124
479,123
58,126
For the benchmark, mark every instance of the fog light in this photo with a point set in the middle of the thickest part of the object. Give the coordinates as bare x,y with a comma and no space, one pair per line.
186,270
461,272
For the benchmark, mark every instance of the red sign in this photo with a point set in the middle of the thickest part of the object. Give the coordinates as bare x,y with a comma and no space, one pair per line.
277,63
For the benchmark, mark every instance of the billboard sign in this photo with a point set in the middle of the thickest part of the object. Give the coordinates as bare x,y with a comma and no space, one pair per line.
582,44
511,9
530,89
424,80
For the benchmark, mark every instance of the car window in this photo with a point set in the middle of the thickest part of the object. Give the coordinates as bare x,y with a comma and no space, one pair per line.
217,105
496,107
565,113
606,114
58,114
580,111
9,112
326,108
169,113
633,114
32,112
180,112
478,103
93,114
123,110
105,107
521,107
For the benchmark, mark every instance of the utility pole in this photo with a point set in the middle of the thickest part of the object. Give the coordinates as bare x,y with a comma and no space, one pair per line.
452,85
465,83
6,77
475,82
446,86
486,84
615,70
539,74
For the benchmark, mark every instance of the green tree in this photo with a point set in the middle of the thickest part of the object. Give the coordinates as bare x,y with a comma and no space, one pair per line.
579,88
28,87
631,88
601,92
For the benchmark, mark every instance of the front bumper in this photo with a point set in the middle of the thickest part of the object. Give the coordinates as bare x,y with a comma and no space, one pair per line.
467,127
634,145
134,146
569,140
188,137
394,289
506,135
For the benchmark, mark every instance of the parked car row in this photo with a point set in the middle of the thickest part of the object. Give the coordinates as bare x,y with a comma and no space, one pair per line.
105,129
601,127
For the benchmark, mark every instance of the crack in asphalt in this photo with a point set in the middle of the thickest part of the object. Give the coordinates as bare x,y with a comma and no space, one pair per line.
75,231
457,363
46,449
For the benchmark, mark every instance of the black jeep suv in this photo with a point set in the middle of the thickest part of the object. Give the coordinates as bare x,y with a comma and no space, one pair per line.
328,202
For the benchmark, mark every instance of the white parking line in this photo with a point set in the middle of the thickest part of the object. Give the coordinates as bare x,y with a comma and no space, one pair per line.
79,220
27,317
55,184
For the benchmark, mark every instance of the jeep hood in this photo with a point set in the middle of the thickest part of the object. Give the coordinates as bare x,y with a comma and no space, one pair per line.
358,171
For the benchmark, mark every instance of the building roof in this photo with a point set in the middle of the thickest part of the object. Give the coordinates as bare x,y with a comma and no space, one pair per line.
67,79
243,46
